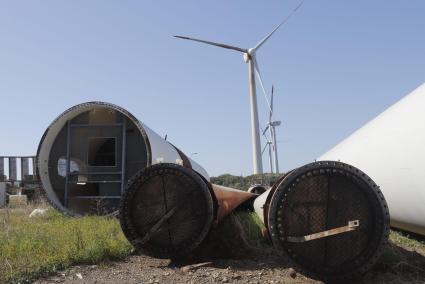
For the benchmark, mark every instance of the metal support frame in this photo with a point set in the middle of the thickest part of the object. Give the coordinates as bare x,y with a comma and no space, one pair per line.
96,125
24,169
351,226
68,163
123,148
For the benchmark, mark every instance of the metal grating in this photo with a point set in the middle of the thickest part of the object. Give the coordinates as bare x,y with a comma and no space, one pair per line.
321,197
166,211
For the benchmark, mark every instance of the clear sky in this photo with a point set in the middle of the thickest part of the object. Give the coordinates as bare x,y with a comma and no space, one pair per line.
335,65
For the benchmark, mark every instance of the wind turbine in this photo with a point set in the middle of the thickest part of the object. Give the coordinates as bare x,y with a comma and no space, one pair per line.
250,58
269,144
271,126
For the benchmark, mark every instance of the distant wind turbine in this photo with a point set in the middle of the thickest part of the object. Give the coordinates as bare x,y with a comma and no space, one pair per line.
269,144
250,58
271,127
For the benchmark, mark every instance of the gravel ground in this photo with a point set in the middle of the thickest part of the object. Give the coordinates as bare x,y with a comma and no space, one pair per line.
221,264
144,269
265,269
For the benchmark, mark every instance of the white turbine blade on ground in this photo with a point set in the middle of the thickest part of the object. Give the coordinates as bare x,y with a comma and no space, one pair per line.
257,71
283,22
243,50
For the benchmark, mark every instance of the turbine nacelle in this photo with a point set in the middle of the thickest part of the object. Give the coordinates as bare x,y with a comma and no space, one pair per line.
249,54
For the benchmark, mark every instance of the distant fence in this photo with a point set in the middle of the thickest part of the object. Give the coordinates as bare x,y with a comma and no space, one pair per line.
18,170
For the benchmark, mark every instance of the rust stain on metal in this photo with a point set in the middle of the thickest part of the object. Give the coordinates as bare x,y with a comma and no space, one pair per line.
229,198
266,205
351,226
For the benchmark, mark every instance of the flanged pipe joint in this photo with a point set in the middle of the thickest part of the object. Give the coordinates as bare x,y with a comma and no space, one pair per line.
330,218
168,210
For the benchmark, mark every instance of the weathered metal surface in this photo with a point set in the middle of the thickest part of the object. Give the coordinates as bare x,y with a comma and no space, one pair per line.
25,168
15,167
229,198
13,176
74,183
322,197
155,229
34,168
257,189
166,210
351,226
157,226
262,203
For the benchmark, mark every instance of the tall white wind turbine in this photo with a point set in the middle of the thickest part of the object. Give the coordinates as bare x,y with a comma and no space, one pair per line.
250,58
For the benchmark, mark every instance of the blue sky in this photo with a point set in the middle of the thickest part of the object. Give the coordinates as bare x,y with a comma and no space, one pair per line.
335,65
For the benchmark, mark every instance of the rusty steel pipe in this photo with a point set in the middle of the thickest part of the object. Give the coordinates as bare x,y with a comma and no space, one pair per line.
330,218
229,199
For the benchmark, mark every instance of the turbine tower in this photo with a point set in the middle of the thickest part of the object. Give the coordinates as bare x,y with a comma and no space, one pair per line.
269,144
271,127
250,58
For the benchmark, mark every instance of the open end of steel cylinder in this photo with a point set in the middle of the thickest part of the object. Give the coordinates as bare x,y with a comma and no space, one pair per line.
166,211
330,218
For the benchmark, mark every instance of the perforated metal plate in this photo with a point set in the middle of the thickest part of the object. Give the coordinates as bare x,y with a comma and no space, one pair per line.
166,211
323,196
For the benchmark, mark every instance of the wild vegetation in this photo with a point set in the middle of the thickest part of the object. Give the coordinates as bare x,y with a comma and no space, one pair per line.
33,247
243,183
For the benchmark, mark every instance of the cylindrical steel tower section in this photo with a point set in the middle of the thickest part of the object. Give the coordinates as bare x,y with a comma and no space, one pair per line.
330,218
167,210
87,155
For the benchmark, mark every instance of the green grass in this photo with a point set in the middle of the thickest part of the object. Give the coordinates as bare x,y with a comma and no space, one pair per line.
253,228
404,239
33,247
403,249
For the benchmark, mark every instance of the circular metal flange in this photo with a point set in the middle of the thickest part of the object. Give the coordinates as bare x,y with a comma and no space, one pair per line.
257,189
320,197
166,210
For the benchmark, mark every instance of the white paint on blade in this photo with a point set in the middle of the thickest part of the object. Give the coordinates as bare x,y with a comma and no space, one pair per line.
390,149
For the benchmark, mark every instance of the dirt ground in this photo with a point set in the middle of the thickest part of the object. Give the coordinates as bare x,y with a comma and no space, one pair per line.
143,269
225,259
409,268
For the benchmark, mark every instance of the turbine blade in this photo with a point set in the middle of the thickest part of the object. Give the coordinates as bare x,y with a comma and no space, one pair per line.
257,72
265,130
264,149
283,22
243,50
